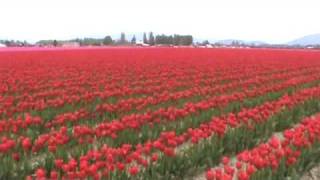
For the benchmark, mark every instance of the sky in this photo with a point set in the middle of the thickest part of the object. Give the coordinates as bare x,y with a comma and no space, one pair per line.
272,21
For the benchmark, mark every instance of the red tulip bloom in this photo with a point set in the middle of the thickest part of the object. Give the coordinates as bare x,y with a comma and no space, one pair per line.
225,160
120,166
134,170
58,163
40,173
154,157
242,175
210,175
26,144
53,175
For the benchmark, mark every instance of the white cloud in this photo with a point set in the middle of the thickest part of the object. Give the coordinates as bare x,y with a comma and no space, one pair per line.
272,20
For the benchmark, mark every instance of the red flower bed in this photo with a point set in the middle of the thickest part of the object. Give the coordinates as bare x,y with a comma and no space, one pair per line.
119,113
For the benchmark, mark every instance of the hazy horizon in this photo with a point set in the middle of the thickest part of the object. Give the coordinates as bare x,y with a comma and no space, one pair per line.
269,21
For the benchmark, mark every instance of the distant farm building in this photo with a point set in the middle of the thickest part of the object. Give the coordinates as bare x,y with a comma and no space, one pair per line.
140,43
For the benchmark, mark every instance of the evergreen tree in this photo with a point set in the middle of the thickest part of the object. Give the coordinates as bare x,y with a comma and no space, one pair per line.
184,40
151,39
159,39
133,40
176,39
205,42
170,40
123,38
145,40
107,40
55,43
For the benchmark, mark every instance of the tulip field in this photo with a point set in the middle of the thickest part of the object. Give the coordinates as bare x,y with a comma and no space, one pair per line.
159,113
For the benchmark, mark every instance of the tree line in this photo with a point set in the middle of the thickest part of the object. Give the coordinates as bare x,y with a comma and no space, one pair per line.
163,39
13,43
151,40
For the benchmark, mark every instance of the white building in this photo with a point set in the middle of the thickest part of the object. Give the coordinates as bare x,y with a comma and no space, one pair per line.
140,43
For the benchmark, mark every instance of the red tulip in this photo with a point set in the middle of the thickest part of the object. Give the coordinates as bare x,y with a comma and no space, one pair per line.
242,175
154,157
16,156
225,160
134,170
120,166
210,175
26,144
53,175
40,173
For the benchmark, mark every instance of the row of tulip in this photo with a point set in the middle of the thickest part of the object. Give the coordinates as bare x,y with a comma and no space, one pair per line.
210,141
169,141
136,105
53,143
84,114
286,154
75,92
145,113
14,105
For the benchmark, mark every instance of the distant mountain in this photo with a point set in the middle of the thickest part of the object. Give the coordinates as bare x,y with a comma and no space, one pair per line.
313,39
230,41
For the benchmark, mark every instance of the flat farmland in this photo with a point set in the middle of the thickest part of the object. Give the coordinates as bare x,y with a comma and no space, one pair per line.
159,113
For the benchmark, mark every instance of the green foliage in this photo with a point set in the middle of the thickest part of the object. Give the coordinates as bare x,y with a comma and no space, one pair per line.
107,40
184,40
151,39
122,39
164,39
145,40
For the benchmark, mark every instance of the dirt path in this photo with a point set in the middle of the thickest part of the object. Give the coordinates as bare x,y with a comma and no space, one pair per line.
313,174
